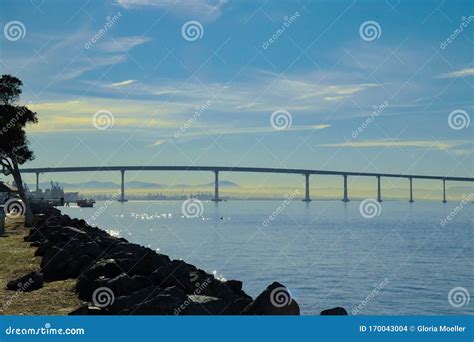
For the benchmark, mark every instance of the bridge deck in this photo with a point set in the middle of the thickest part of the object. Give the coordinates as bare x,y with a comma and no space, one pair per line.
236,169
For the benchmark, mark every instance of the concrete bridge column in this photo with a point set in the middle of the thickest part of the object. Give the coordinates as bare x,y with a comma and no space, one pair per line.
444,191
216,187
379,190
411,190
122,187
306,197
346,198
37,180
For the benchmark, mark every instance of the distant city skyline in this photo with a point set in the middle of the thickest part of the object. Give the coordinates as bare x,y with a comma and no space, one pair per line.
368,86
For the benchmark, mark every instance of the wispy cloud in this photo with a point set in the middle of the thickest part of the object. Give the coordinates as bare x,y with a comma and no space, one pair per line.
203,9
123,83
458,73
203,132
78,115
425,144
122,44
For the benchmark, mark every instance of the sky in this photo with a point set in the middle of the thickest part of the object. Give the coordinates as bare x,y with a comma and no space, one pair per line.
370,86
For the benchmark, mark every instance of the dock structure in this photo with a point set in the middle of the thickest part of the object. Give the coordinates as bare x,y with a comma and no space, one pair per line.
218,169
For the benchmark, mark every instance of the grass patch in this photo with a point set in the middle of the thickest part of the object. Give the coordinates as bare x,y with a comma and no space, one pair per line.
16,259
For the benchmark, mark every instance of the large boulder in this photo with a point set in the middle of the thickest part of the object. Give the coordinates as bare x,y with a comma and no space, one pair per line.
136,259
27,283
55,264
338,311
275,300
96,276
124,284
149,301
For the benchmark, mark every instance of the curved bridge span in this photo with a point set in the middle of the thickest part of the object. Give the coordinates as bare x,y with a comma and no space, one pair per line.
217,169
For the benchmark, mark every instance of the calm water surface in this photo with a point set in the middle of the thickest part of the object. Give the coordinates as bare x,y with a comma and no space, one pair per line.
402,262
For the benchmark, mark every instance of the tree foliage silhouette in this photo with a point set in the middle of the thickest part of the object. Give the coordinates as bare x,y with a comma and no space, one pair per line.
14,145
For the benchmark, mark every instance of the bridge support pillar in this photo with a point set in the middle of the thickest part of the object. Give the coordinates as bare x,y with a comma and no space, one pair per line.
345,198
444,191
122,187
306,196
37,180
216,187
379,190
411,190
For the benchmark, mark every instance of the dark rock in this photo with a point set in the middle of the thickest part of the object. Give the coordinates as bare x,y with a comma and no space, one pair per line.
87,310
124,284
136,259
178,273
108,268
275,300
202,305
27,283
149,301
338,311
80,265
55,264
96,276
91,249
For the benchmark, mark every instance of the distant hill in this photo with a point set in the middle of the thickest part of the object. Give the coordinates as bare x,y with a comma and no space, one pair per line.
132,185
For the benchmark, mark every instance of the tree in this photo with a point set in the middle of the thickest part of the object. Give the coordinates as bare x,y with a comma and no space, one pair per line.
14,145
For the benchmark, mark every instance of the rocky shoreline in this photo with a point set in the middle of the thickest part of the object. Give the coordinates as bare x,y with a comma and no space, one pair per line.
116,277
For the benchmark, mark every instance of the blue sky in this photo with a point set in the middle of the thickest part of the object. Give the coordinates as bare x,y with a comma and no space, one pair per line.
209,101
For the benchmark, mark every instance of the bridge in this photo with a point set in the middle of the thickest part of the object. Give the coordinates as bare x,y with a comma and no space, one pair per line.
218,169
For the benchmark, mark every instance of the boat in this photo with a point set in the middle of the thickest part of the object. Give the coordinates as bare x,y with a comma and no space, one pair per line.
53,196
85,203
